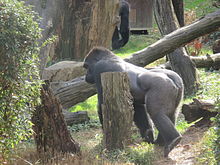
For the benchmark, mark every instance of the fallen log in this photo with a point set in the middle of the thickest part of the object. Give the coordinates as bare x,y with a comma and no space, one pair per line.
73,93
207,61
75,117
199,109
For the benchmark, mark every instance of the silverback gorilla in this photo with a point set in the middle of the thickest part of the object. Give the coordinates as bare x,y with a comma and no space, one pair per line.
156,92
124,26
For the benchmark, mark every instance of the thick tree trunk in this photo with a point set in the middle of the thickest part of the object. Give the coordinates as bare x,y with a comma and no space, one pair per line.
117,110
51,134
179,60
78,24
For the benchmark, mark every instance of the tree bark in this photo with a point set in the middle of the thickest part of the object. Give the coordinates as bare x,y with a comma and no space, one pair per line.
51,134
78,24
72,92
199,109
179,11
117,110
179,60
75,117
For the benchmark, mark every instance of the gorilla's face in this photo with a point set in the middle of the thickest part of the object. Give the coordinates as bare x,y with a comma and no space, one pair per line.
90,77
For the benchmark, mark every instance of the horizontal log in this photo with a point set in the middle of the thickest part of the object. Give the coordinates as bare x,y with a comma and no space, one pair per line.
72,92
75,117
207,61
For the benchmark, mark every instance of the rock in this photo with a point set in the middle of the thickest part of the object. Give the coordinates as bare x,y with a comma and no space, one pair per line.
63,71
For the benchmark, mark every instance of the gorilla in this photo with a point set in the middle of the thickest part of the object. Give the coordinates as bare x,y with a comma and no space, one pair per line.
124,26
156,93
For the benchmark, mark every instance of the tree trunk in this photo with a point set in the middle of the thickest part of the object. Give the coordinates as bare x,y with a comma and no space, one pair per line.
51,134
179,11
78,24
180,61
117,110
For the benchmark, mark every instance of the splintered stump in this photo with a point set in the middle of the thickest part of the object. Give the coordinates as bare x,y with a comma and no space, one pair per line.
50,129
117,110
199,109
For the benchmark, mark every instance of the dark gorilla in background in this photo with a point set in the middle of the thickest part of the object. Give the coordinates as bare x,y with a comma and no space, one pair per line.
124,27
156,92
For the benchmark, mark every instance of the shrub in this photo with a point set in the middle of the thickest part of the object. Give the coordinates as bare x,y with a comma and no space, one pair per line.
19,77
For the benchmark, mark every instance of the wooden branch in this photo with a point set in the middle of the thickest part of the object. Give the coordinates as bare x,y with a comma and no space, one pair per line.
176,39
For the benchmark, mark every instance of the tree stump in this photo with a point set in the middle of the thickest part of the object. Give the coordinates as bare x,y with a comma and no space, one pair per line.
117,110
51,133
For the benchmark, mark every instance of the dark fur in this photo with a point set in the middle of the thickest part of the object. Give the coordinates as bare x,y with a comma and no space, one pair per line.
123,32
156,92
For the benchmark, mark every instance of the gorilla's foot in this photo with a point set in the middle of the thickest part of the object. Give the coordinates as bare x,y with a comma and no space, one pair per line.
159,141
170,146
148,136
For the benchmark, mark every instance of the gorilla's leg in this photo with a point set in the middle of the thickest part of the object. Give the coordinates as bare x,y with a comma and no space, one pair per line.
167,130
115,39
125,37
160,140
143,122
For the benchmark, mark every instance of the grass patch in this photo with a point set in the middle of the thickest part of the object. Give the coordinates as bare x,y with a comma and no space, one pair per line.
207,155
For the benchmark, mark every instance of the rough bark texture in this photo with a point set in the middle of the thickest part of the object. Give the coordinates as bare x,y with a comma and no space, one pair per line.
179,60
199,109
208,61
78,24
72,92
117,110
51,134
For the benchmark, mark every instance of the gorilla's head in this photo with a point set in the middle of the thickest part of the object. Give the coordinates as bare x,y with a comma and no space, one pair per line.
94,56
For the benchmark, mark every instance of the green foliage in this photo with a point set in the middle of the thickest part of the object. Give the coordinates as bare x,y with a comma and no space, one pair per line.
141,154
207,155
19,81
85,126
202,7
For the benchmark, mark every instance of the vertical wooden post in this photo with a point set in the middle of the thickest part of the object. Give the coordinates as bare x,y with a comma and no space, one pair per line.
117,110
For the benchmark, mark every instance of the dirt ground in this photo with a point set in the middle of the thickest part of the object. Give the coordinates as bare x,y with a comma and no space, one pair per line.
186,152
